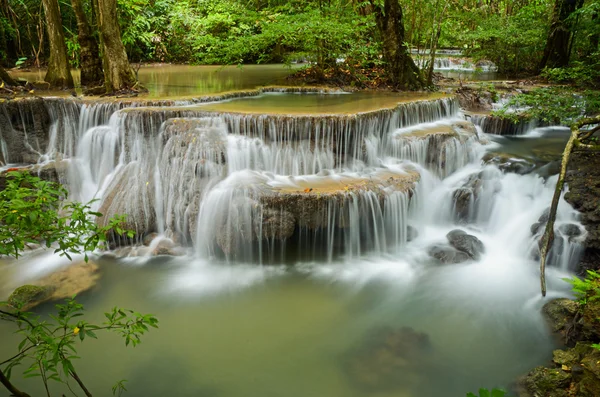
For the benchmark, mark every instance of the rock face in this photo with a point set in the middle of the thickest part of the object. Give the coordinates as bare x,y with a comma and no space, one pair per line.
390,359
501,126
583,181
24,125
508,163
466,243
574,371
448,255
474,100
75,279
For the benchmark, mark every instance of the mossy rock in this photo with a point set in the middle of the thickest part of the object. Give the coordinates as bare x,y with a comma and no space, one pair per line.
28,296
565,357
560,313
547,382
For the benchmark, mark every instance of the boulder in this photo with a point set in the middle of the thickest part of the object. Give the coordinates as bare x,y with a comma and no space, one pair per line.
560,313
390,359
466,243
509,164
168,248
411,233
448,255
570,230
29,296
75,279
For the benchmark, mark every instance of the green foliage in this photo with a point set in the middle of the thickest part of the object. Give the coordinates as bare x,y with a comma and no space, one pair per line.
487,393
32,211
554,105
579,73
515,43
49,348
20,61
588,289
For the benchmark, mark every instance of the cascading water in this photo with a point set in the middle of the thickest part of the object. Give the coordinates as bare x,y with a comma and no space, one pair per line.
253,187
359,203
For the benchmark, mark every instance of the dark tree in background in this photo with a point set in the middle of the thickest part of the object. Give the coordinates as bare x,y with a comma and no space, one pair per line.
59,72
118,74
401,69
558,45
89,52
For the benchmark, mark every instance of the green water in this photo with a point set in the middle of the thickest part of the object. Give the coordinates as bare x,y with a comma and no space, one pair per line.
245,331
356,102
171,81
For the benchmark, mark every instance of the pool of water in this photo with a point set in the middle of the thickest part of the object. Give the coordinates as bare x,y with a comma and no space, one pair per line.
316,103
172,81
314,328
237,330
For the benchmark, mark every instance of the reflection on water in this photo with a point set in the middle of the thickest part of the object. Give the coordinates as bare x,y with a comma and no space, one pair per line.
183,80
356,102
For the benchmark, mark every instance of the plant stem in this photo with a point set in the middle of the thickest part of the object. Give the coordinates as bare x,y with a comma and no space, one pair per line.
10,387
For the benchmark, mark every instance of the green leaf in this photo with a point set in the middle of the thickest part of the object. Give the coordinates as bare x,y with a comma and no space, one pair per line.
484,393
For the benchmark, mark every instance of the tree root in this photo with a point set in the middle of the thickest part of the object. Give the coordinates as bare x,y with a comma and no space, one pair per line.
548,237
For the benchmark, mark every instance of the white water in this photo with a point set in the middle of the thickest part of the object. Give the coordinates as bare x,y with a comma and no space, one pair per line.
191,175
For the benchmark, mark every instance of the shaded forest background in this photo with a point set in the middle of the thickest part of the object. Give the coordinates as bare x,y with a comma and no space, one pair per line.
522,37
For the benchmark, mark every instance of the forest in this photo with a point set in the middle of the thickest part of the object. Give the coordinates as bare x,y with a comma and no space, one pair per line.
329,198
557,39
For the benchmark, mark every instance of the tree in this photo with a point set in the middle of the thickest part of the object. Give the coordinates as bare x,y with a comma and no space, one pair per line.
400,67
89,52
118,73
5,77
558,45
32,211
59,72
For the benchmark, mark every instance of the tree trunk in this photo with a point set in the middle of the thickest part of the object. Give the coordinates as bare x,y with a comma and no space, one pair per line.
118,74
400,67
89,52
59,72
556,52
5,77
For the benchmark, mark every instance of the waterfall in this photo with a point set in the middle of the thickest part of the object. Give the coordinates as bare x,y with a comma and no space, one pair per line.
273,188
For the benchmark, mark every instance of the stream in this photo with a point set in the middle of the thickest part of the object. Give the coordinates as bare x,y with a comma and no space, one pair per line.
324,304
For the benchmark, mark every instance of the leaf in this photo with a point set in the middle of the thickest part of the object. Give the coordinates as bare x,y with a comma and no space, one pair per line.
498,393
484,393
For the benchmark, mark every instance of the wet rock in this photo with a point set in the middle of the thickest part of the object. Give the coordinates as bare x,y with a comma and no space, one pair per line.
546,382
570,230
465,197
536,228
24,127
448,255
77,278
136,201
565,357
411,233
583,179
466,243
474,100
545,216
275,224
148,238
390,359
168,248
560,313
509,164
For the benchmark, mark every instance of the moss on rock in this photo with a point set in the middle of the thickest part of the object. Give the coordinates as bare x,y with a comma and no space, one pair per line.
28,296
